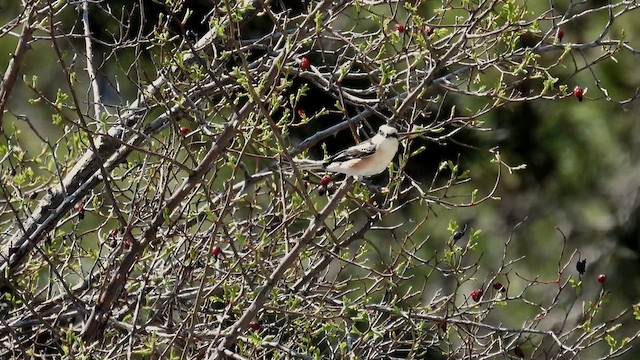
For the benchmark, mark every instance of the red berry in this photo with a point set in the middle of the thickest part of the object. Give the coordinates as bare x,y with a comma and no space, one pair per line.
126,244
216,251
518,351
476,295
326,180
254,325
602,278
184,130
399,28
578,92
305,63
302,113
560,34
305,184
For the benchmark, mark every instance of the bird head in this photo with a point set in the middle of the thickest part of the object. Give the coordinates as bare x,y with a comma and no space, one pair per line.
387,131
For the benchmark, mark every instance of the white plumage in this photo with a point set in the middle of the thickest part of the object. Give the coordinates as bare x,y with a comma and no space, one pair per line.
368,158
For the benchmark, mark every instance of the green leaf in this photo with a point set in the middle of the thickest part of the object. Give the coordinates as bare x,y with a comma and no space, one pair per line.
418,151
549,83
576,284
612,342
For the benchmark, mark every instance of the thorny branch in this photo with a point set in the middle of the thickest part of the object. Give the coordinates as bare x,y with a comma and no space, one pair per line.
180,252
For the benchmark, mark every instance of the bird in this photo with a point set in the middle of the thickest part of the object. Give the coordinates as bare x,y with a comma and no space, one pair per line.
368,158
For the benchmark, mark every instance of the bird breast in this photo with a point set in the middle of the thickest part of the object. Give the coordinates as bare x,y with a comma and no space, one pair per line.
371,165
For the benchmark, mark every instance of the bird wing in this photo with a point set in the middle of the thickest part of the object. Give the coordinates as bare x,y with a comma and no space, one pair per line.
362,150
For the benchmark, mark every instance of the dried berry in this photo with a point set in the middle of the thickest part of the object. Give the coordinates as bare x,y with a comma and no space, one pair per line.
460,233
331,188
498,286
518,351
581,266
442,325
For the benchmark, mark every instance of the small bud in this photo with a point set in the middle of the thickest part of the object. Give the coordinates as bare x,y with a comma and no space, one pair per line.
80,210
428,30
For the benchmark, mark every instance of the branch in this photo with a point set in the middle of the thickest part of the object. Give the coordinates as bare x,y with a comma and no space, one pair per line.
309,234
13,69
90,70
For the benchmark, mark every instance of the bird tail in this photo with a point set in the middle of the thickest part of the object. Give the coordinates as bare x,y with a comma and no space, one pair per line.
306,164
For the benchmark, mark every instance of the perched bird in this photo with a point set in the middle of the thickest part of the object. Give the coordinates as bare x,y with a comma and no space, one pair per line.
367,158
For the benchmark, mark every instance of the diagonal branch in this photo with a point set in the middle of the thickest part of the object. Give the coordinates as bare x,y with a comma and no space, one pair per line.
305,240
16,61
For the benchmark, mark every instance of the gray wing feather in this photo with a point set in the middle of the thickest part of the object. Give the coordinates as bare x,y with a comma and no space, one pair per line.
362,150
